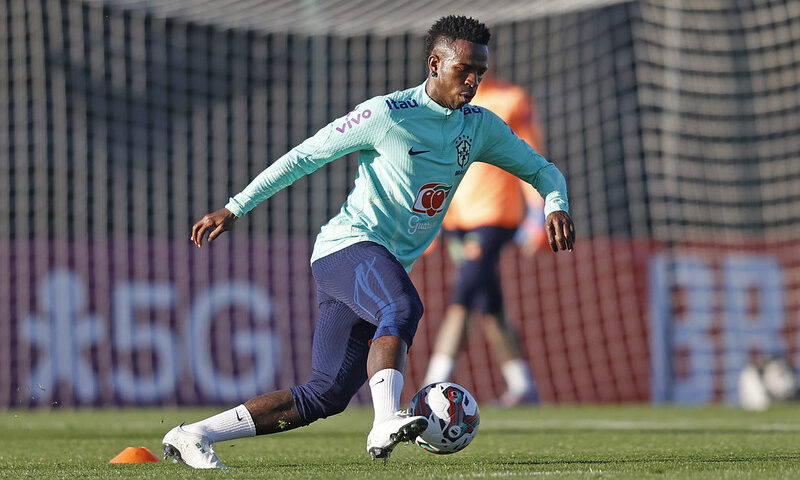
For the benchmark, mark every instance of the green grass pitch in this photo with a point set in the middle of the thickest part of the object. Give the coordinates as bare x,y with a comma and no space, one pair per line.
585,442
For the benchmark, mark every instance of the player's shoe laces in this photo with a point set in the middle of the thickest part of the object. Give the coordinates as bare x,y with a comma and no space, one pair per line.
400,427
190,448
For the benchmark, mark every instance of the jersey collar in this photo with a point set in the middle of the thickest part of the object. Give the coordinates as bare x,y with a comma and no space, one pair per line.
430,103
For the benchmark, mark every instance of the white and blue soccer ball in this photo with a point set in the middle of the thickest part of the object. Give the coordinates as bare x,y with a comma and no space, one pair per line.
452,414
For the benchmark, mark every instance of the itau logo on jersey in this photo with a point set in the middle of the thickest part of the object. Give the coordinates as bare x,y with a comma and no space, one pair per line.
463,145
431,197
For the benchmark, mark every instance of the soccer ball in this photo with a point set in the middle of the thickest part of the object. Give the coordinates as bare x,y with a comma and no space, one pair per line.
452,414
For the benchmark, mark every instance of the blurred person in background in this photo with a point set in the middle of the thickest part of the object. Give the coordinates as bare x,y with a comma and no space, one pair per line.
488,210
414,147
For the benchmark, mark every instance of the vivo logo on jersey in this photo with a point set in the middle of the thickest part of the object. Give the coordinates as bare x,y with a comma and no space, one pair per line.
431,197
353,118
468,109
395,105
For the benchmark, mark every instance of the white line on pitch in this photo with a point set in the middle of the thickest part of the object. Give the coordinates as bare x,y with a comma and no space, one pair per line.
640,425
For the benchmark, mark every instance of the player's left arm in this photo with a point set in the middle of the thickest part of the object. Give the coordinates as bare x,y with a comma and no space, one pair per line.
504,149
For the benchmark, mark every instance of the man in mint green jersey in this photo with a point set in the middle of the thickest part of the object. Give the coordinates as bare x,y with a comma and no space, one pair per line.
414,147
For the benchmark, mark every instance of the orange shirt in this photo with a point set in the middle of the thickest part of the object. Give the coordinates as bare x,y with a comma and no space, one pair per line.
488,195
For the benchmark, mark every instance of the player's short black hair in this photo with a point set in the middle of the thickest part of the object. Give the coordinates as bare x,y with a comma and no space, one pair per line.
456,27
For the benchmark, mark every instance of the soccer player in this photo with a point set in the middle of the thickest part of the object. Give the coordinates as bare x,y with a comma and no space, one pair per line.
414,147
484,215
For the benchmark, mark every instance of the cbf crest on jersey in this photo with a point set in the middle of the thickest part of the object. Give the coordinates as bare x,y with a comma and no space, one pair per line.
463,145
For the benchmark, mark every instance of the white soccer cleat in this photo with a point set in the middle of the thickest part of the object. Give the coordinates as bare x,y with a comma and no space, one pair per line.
396,429
190,448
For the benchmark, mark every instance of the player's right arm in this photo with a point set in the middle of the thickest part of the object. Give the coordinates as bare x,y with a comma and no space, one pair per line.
358,130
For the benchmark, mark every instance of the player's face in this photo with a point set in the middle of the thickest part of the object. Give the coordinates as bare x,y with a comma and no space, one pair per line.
459,68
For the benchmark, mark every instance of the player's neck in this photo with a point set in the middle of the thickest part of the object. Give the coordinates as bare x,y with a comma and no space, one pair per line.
433,93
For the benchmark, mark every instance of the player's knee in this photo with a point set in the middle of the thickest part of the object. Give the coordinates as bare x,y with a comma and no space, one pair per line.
320,398
332,402
401,318
408,308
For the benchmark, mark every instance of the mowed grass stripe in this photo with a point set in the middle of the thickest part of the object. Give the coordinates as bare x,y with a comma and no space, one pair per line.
619,441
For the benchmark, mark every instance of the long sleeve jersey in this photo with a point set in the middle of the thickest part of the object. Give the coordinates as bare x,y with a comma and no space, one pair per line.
488,195
413,153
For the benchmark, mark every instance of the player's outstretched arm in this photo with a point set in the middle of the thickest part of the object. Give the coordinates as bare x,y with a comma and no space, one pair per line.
560,231
212,223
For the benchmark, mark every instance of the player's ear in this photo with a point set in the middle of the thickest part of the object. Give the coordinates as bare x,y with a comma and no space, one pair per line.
433,64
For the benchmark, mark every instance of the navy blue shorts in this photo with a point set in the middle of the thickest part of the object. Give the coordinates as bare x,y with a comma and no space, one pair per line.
478,280
364,293
374,285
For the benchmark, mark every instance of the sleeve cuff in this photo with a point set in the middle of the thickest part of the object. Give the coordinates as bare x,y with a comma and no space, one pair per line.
555,204
235,207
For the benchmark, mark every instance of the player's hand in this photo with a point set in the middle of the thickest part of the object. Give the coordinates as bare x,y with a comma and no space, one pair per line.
212,224
560,231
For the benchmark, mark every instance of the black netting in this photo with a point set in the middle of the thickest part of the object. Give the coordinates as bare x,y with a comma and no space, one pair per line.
676,125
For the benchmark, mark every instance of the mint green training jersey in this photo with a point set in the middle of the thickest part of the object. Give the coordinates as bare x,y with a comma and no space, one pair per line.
413,153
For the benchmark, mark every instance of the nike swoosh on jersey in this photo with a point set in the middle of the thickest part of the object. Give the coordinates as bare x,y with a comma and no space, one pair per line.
413,152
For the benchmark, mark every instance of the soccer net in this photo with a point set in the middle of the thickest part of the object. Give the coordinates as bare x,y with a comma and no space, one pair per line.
123,122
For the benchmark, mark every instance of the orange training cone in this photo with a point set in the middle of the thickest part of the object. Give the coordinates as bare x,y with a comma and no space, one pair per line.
135,455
